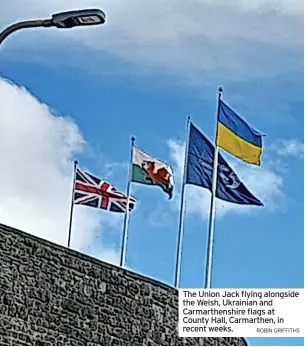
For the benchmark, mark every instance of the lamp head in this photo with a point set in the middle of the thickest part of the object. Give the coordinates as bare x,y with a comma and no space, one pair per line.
70,19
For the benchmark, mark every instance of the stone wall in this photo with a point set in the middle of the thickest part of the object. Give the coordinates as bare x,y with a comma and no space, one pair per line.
51,295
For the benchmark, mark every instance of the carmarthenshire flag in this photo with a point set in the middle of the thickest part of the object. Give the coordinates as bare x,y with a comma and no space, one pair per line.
200,171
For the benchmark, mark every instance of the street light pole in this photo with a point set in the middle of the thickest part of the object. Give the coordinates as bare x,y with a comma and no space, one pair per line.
24,25
62,20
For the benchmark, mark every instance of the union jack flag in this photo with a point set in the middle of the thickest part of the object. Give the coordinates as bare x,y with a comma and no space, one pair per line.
94,192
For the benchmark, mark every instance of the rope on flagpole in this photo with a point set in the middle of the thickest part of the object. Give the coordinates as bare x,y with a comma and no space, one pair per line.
126,217
210,243
72,202
182,209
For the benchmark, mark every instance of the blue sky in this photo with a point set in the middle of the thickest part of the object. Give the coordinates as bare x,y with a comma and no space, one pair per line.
127,79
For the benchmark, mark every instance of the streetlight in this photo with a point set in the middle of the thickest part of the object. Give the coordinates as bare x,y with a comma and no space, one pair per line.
62,20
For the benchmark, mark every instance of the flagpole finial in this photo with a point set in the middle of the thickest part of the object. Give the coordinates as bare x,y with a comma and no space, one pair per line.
188,117
75,162
220,89
133,139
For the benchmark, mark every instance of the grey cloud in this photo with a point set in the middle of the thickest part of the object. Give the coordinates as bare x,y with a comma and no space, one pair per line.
196,39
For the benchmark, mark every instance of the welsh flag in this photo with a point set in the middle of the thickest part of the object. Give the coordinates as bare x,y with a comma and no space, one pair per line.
151,171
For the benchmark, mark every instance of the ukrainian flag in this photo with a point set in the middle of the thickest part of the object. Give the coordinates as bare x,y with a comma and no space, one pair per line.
235,136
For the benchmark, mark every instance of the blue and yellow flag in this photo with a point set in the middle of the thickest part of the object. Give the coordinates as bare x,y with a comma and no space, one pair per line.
235,136
199,172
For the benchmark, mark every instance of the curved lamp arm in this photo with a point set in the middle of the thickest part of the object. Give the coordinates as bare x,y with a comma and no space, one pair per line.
23,25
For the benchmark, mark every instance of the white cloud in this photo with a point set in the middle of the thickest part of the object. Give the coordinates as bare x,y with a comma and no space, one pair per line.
240,39
268,188
289,148
37,150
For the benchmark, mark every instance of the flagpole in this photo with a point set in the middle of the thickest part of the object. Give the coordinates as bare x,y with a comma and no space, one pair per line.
182,209
209,253
126,217
72,203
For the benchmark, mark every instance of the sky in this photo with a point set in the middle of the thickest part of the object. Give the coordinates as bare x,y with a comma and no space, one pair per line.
82,93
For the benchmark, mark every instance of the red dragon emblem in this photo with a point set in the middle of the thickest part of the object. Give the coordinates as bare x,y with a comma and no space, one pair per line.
160,177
